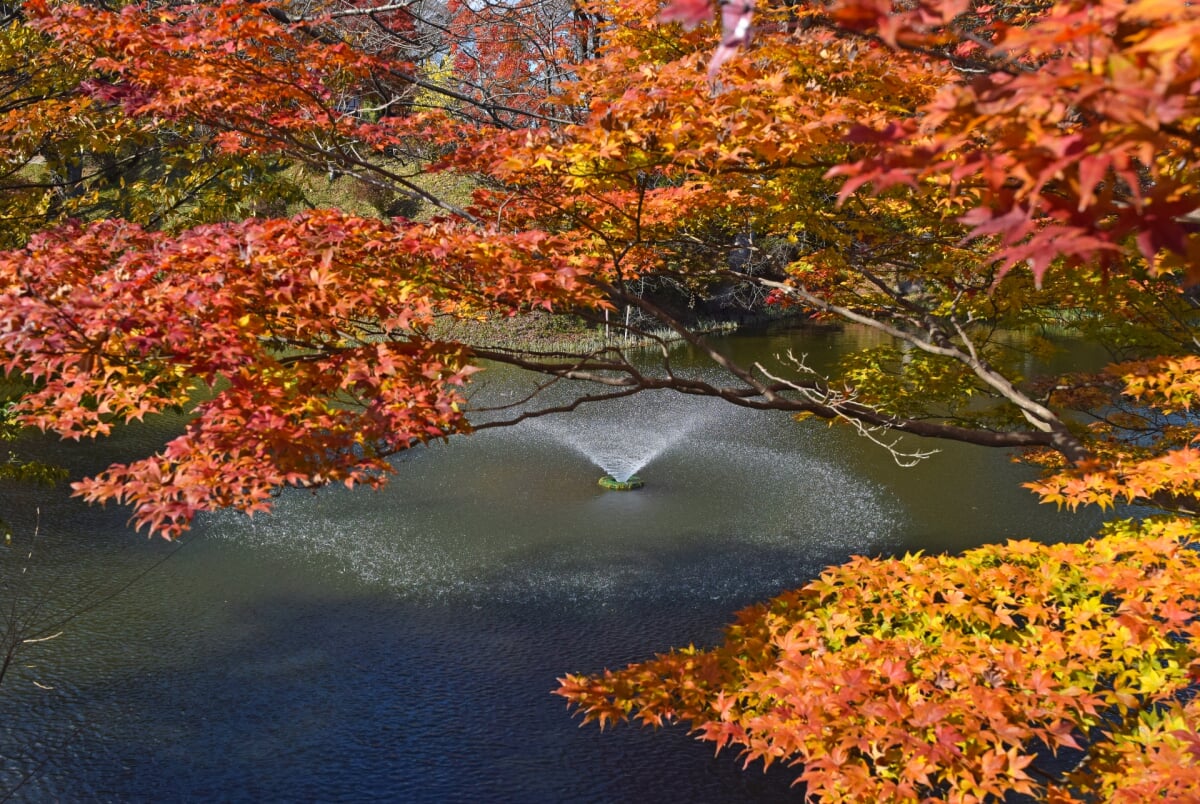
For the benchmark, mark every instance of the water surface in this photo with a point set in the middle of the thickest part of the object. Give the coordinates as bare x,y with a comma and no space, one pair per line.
402,645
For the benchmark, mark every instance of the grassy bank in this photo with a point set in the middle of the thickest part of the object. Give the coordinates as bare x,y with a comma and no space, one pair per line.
547,332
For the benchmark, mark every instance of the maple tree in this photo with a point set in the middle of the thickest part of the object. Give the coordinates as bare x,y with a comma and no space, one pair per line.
70,150
1066,146
517,54
950,677
962,178
316,325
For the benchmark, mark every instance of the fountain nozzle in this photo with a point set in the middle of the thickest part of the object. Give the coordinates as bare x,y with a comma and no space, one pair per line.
612,484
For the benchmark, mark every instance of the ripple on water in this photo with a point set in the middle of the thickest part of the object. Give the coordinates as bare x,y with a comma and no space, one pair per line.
512,515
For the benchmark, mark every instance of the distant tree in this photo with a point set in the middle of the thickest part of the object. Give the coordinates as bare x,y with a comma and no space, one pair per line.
71,149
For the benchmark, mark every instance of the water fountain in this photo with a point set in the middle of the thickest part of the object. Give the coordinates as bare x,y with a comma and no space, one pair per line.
625,435
515,514
510,516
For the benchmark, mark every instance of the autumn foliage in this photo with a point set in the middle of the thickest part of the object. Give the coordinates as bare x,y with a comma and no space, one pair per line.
973,182
313,333
952,677
1069,145
1075,137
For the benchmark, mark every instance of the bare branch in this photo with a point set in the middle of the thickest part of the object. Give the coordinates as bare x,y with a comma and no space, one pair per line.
1037,414
839,401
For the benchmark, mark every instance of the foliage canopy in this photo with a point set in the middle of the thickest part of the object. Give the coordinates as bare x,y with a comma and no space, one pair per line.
971,180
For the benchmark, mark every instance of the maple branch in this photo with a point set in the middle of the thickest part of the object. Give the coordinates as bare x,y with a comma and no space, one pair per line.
411,187
66,182
356,12
897,297
697,340
490,107
537,389
838,402
185,197
961,63
631,381
630,377
566,408
320,156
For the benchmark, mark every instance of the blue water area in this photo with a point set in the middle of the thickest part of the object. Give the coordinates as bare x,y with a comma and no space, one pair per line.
403,645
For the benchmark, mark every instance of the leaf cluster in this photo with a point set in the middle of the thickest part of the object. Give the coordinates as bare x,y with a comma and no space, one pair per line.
312,334
951,677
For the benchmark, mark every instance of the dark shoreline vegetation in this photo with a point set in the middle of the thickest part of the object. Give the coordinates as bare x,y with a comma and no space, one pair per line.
540,331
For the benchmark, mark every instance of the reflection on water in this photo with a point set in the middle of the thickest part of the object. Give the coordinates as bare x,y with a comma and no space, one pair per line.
401,645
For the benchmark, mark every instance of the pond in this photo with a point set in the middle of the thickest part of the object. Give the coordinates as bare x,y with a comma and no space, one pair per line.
402,645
